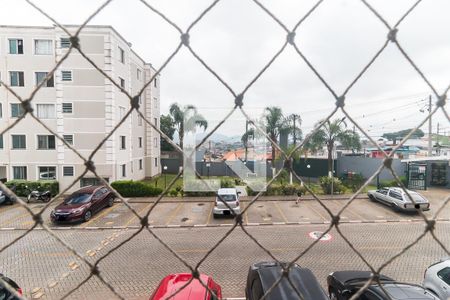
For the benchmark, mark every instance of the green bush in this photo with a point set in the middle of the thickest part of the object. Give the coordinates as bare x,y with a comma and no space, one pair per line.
393,182
130,188
325,183
227,183
354,182
40,185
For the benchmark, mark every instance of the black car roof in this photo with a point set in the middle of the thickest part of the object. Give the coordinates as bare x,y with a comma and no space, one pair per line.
302,278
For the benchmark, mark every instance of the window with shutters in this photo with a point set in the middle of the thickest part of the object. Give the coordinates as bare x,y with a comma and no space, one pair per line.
67,107
68,171
66,75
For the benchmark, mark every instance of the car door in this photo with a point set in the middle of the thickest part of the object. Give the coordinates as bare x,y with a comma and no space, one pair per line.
444,282
96,200
381,194
395,198
104,197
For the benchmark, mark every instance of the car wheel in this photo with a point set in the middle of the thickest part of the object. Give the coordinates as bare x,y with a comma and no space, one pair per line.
333,294
372,198
46,198
110,201
215,216
87,216
394,207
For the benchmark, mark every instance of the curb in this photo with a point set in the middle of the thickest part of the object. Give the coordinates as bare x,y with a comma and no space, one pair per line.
177,226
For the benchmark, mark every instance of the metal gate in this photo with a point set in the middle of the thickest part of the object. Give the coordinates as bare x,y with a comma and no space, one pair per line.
417,176
438,174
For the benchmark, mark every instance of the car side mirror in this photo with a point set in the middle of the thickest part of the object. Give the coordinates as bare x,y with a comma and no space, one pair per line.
239,193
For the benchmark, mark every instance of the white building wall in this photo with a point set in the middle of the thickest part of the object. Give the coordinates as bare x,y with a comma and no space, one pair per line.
96,106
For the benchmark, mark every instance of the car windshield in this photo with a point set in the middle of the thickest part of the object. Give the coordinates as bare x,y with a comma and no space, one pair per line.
227,197
78,198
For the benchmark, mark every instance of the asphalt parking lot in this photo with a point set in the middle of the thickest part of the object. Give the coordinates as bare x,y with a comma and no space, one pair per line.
173,212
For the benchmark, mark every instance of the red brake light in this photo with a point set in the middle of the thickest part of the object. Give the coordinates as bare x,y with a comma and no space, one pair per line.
19,291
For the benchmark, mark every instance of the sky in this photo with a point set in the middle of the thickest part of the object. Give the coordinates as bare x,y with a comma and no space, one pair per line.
236,38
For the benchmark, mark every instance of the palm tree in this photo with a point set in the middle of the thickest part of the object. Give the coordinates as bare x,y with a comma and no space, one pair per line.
275,124
328,134
193,120
295,130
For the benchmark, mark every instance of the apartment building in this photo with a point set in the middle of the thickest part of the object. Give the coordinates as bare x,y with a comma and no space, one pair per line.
79,103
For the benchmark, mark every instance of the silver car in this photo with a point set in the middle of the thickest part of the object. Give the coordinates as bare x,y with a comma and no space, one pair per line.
398,199
437,278
231,197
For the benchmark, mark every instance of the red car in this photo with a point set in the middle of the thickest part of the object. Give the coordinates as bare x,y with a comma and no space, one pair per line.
193,291
83,204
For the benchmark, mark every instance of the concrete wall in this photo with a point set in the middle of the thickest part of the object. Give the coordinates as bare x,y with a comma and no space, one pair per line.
367,166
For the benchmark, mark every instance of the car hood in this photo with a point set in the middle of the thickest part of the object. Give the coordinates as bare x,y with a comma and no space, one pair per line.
64,207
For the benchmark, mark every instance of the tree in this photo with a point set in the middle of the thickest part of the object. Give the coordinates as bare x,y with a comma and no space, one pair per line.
294,123
275,123
193,120
328,134
168,127
351,141
394,136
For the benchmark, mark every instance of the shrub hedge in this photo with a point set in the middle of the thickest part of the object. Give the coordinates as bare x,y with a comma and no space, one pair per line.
40,185
130,188
325,183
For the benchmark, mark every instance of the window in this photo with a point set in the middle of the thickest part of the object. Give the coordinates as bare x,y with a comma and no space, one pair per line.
140,142
122,82
16,110
45,111
444,275
121,112
1,141
138,74
67,108
121,55
139,120
68,171
395,195
65,42
156,162
122,142
66,75
40,76
155,142
46,142
19,141
43,47
156,122
16,78
15,46
1,111
155,102
19,172
47,173
68,138
124,170
155,83
140,164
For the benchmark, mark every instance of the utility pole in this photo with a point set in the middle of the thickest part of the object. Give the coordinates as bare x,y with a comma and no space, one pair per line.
430,145
246,144
295,139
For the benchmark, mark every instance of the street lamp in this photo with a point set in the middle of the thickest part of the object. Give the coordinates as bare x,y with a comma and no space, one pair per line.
309,175
165,177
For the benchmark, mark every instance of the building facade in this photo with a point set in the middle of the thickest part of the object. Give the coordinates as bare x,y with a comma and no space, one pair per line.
79,103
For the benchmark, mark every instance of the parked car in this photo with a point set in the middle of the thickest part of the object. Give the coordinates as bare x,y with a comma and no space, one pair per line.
193,291
437,278
5,199
5,293
262,275
231,197
398,199
342,285
83,204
